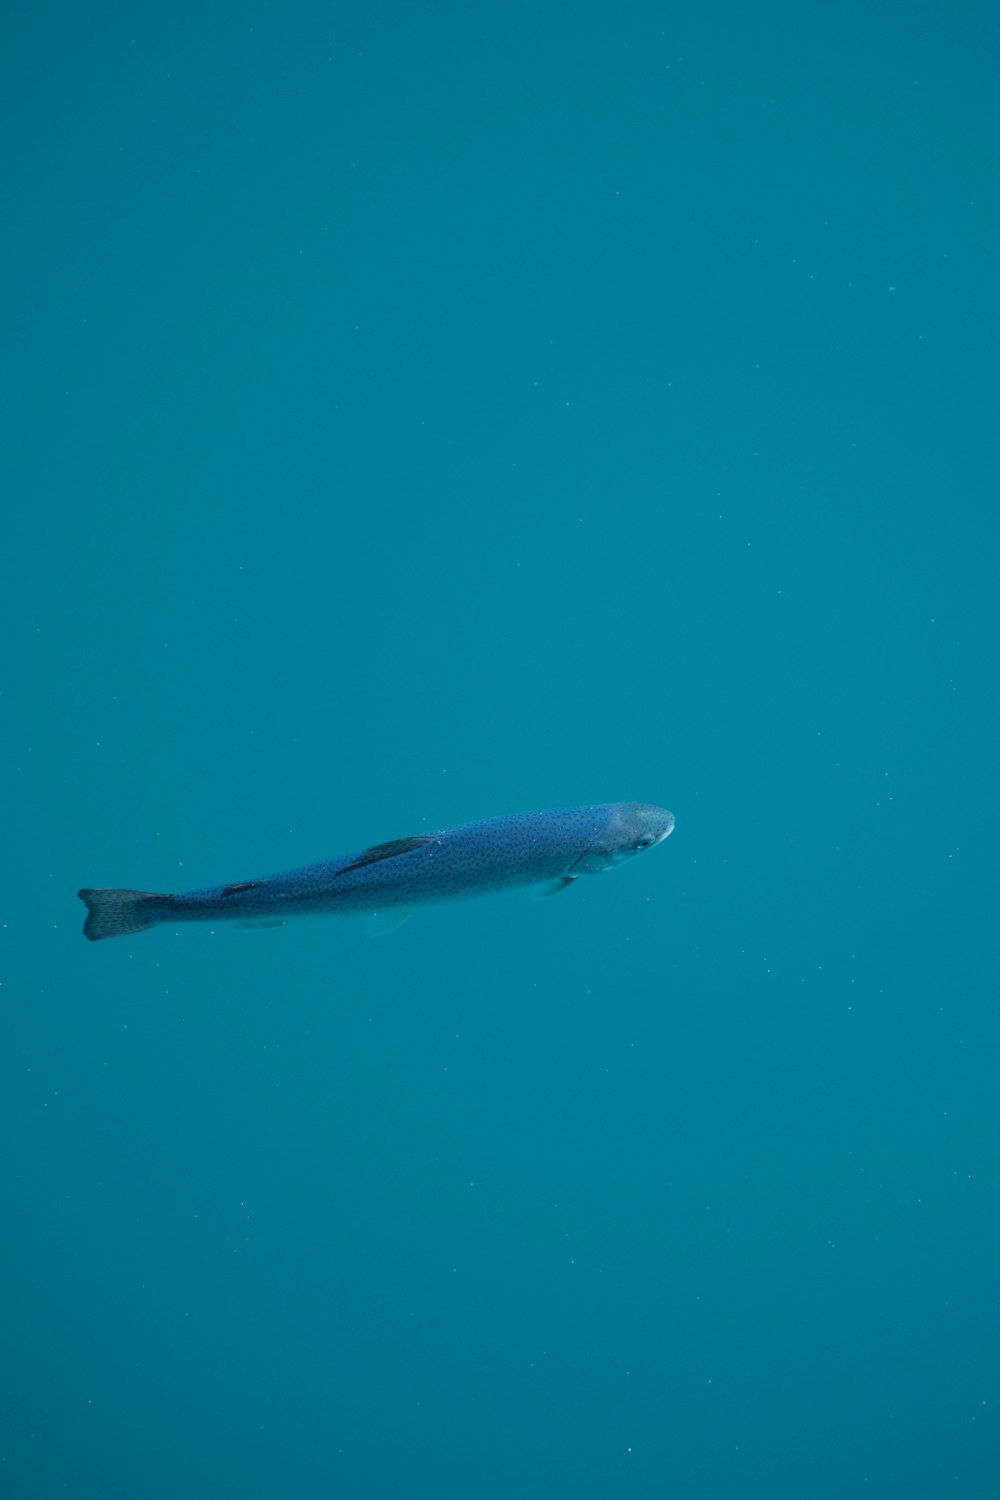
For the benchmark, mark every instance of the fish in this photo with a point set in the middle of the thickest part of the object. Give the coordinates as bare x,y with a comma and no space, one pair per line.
547,850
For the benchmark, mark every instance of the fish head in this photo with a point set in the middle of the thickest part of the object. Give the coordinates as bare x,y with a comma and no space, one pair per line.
641,826
633,827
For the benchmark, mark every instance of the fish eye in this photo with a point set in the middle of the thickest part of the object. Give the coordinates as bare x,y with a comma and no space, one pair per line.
645,841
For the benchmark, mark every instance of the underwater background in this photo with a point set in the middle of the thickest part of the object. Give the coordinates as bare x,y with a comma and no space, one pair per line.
419,413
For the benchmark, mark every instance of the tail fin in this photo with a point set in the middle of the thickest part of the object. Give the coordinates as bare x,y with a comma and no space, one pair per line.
113,913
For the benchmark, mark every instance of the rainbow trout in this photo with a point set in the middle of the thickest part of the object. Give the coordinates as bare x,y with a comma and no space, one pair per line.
548,850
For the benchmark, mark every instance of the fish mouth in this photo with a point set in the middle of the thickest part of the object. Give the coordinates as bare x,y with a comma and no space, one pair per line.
668,830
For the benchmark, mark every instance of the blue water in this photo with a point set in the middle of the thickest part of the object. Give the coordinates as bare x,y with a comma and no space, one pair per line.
422,413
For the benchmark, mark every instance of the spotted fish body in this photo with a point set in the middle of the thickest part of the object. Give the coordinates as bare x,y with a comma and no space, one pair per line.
549,850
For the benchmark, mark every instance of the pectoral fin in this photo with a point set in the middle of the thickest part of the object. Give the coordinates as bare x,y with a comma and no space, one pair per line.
594,862
553,887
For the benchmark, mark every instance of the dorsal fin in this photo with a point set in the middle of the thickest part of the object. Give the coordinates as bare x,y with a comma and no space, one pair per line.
240,886
389,851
